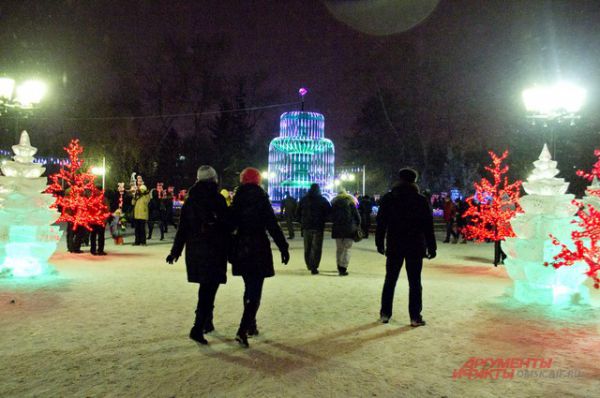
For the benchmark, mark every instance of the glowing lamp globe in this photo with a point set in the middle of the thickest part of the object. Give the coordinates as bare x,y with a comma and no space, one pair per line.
30,93
7,87
554,101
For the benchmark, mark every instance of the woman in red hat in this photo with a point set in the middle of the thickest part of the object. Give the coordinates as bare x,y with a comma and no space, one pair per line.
251,256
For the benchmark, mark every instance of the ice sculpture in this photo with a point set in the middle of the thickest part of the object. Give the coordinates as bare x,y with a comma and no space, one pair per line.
300,156
27,239
547,210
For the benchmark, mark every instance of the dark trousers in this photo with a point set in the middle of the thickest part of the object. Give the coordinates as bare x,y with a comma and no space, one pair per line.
140,231
289,221
313,247
73,238
499,254
252,294
365,224
414,264
450,230
97,236
206,303
161,226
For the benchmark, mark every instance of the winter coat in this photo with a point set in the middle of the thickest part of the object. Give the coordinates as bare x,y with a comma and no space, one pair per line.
313,211
154,207
405,223
289,207
140,206
345,217
449,211
204,232
251,217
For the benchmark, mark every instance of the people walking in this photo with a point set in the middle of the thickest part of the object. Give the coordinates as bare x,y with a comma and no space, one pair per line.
156,214
98,232
404,234
289,212
346,222
252,217
313,210
461,222
140,202
365,208
204,232
449,216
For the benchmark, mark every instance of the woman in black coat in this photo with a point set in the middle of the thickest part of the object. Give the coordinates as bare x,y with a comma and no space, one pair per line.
205,234
251,256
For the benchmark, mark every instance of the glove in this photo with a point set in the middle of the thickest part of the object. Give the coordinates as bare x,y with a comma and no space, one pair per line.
430,254
285,257
172,259
381,249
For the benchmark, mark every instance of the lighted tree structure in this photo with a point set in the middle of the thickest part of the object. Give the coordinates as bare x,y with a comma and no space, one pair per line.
27,238
547,210
300,156
492,206
80,202
586,239
595,169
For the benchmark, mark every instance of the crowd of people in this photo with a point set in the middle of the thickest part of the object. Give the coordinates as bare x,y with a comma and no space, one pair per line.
216,227
214,233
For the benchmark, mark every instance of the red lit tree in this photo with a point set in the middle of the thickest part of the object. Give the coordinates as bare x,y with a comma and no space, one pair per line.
492,206
81,204
587,238
595,169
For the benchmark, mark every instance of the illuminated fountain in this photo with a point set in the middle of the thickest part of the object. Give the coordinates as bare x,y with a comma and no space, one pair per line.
27,239
300,156
547,210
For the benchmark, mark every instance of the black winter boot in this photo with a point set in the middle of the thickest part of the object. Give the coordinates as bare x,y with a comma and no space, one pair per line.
197,335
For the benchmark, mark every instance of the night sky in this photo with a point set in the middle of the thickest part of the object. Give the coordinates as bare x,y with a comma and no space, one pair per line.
468,59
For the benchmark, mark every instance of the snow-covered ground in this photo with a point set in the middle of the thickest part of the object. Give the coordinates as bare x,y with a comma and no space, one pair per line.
118,325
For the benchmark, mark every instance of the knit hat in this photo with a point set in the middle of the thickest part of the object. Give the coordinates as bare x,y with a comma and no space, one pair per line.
250,175
206,173
408,175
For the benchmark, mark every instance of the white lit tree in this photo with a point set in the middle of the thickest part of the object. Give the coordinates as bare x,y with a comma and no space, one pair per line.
27,237
548,210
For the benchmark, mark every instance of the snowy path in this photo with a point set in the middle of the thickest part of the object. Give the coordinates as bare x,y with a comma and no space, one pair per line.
118,325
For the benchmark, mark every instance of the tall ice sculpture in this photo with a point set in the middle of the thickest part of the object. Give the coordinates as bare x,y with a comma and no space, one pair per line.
300,156
547,210
27,238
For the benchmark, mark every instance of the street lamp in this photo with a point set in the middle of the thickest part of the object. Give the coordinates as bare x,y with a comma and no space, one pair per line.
554,104
24,96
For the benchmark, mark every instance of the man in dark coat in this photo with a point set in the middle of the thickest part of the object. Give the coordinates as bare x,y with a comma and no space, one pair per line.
289,211
313,212
251,257
404,233
204,232
365,208
346,222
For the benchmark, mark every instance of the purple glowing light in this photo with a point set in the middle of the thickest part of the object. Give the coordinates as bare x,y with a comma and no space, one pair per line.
303,91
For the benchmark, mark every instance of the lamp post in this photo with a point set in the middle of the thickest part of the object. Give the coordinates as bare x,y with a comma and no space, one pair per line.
554,104
101,171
